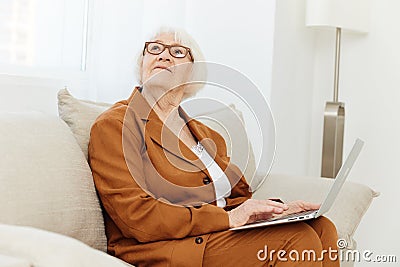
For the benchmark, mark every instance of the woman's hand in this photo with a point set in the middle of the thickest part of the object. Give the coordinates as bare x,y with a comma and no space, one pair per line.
298,206
253,210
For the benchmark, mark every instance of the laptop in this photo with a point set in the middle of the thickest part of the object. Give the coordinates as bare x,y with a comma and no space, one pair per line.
326,205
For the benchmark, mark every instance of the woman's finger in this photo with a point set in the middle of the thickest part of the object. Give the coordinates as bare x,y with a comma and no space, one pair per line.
311,206
273,203
266,209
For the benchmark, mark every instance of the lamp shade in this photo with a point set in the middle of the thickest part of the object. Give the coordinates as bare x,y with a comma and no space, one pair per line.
350,15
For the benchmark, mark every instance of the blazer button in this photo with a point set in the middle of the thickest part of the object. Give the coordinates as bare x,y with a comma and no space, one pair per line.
198,240
206,180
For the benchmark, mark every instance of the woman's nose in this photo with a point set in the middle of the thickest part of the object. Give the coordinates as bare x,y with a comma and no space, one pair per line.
164,56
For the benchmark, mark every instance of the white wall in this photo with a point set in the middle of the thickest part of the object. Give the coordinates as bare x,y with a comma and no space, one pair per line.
292,86
369,77
118,32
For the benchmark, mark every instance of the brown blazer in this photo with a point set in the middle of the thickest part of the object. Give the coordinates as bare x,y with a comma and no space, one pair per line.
157,196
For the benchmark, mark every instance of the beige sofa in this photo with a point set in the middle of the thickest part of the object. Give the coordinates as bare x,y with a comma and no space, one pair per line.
50,213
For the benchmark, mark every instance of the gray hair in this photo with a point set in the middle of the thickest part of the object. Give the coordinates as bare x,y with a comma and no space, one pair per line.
183,38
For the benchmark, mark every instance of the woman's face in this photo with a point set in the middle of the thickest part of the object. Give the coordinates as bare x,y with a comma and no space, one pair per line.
165,70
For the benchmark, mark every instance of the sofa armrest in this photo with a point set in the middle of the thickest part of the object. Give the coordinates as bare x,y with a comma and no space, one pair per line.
8,261
48,249
346,213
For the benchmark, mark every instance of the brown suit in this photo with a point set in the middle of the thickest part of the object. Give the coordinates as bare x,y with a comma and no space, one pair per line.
150,219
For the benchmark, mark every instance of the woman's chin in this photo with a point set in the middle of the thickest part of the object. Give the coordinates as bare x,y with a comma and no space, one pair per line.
161,74
159,83
163,79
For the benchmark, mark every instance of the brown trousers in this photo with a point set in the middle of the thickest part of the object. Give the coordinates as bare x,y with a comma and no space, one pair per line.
254,247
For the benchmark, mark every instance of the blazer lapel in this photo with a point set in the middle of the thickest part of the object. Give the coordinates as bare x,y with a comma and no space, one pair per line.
205,137
161,134
208,140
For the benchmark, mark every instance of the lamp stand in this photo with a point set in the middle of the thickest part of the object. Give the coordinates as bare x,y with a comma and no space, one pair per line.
334,115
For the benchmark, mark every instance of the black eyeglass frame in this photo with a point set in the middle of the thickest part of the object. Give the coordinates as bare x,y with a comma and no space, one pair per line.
188,51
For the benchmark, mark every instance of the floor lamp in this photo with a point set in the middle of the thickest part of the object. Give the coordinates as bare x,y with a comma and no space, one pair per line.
352,16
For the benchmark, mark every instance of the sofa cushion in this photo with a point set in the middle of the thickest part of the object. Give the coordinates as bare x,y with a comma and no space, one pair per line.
45,180
7,261
79,115
47,249
347,211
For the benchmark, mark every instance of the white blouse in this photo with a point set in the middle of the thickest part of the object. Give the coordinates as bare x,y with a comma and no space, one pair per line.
221,183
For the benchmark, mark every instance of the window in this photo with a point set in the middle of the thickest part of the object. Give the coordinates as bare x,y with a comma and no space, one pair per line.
42,35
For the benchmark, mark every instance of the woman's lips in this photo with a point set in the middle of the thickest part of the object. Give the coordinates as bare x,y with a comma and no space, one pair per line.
162,67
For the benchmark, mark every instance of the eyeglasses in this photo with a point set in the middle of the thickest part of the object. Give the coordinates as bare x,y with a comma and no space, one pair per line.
177,51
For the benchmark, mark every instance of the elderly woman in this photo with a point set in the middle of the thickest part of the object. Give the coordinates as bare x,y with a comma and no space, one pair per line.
164,205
